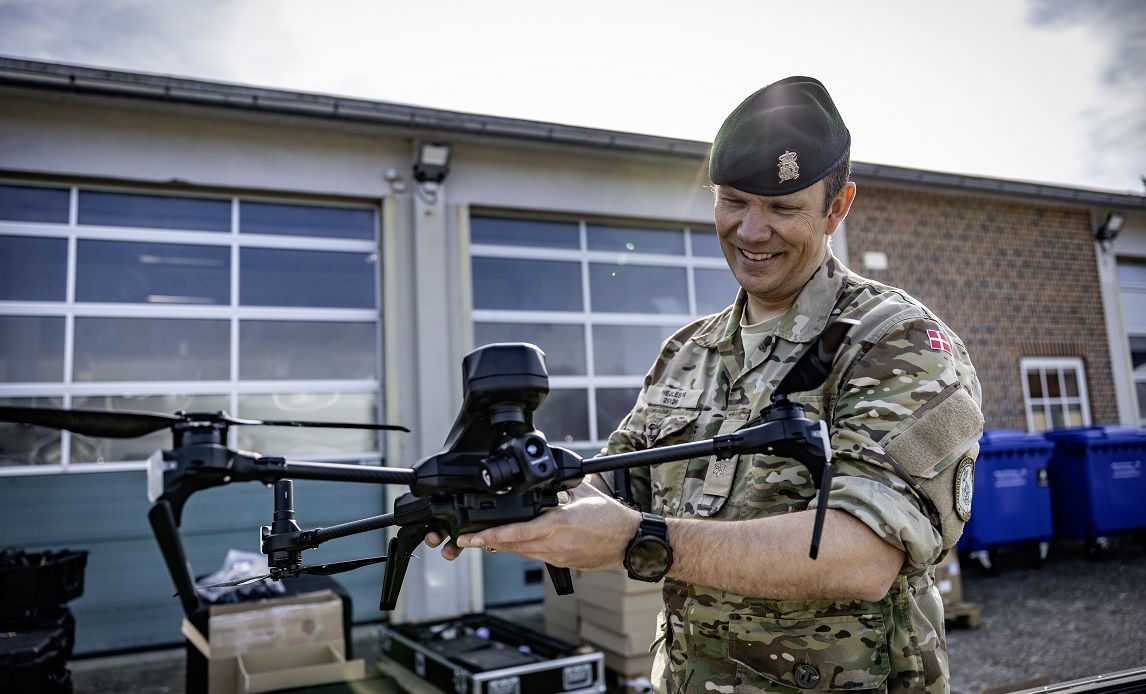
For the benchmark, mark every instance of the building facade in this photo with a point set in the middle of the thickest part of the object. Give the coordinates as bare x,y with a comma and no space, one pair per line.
175,245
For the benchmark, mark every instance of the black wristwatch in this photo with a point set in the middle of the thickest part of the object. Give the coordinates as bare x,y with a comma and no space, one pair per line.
649,554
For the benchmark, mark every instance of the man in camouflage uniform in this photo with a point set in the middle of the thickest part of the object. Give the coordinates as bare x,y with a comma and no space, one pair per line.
746,609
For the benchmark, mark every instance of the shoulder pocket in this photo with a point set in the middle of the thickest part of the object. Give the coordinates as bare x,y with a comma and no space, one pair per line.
844,652
665,427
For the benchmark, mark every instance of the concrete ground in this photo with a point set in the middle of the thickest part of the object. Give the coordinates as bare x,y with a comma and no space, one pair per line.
1070,619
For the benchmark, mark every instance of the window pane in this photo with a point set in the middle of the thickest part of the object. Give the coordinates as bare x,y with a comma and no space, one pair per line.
31,349
97,450
270,350
635,240
1054,389
638,289
1131,272
1058,419
306,220
1070,383
24,444
620,350
359,408
524,232
563,345
715,290
151,349
154,211
706,243
163,273
526,285
274,277
31,204
612,406
33,269
563,416
1141,388
1074,416
1138,352
1040,420
1035,383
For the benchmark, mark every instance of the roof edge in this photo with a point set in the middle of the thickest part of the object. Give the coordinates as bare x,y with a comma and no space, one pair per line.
50,76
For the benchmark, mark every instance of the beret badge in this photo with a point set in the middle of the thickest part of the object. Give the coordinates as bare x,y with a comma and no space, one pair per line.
789,169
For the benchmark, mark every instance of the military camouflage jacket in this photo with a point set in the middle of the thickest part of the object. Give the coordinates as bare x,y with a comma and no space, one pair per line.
902,407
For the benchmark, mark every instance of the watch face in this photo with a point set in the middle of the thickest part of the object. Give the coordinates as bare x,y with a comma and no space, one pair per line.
649,558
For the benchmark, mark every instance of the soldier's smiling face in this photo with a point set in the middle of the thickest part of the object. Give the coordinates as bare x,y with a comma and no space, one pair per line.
773,244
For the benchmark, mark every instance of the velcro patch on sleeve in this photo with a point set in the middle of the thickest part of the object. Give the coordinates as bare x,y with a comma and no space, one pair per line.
951,427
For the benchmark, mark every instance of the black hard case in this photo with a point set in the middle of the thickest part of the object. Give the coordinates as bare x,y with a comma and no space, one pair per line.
484,654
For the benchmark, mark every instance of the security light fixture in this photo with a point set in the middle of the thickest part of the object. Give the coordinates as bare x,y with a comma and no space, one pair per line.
432,163
1110,227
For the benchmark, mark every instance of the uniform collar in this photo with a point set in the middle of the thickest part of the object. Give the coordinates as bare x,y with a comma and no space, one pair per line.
804,320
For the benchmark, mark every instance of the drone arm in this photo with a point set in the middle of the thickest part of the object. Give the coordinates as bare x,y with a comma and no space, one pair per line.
268,469
785,432
311,539
654,456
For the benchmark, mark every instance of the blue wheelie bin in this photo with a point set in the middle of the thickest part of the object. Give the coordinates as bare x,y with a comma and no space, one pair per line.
1098,483
1012,499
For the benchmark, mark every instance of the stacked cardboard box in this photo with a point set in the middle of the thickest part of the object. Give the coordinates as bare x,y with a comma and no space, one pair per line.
948,579
271,644
616,615
561,618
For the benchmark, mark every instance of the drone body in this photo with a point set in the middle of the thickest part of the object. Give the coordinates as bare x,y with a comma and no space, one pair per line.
494,469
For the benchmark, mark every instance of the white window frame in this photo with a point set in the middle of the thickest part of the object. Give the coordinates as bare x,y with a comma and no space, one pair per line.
1132,294
1046,367
588,318
233,387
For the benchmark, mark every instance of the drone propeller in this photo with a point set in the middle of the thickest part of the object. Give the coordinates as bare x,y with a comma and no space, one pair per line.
127,425
315,570
113,425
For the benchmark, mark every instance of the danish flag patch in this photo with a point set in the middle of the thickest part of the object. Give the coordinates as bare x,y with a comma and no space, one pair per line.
938,340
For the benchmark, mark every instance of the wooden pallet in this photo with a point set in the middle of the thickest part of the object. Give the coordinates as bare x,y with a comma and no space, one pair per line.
961,614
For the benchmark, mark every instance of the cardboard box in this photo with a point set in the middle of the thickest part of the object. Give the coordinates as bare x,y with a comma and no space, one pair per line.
309,621
629,620
617,602
626,644
613,580
560,612
285,668
948,579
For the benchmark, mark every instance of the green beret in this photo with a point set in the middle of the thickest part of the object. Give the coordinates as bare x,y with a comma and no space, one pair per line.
781,139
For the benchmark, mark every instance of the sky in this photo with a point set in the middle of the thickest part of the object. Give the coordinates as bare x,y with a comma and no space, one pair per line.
1048,91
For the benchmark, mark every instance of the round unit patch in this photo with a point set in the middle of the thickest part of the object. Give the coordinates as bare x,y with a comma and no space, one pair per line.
964,488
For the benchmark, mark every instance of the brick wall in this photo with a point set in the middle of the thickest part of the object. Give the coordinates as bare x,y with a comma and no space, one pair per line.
1013,279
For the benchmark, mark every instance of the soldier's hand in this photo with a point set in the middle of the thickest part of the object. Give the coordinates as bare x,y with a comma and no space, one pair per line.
588,531
449,551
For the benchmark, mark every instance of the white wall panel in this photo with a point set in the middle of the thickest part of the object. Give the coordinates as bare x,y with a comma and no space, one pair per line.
84,140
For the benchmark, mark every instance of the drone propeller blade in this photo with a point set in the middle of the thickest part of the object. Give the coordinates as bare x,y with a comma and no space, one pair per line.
112,425
232,583
317,570
128,425
340,566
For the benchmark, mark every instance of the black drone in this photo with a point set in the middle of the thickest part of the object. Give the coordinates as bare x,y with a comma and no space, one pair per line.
494,469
